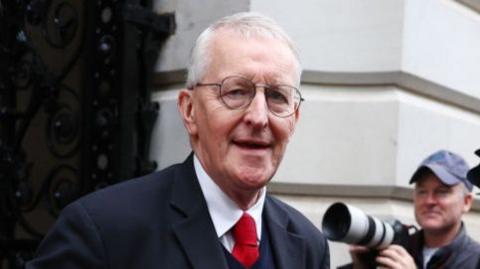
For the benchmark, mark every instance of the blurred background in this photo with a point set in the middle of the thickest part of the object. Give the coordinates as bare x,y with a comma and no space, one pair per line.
88,98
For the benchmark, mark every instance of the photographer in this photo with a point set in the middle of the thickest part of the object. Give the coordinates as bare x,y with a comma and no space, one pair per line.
442,195
474,177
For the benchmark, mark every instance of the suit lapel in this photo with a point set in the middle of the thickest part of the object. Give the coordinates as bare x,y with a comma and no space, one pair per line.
194,228
288,248
195,231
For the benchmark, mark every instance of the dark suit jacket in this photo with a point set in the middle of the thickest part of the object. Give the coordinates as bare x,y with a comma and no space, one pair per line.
162,221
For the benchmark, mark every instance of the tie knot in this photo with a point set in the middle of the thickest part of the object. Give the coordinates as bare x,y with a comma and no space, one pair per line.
245,231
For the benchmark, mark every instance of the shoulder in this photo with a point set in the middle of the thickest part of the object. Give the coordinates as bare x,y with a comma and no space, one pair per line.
293,220
278,205
135,199
466,251
465,242
472,245
296,224
141,188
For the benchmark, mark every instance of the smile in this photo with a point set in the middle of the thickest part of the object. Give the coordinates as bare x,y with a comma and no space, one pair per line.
431,213
252,145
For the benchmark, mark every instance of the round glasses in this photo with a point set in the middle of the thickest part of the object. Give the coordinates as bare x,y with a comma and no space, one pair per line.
238,92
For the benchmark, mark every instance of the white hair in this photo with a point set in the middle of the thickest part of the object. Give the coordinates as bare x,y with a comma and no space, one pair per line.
247,24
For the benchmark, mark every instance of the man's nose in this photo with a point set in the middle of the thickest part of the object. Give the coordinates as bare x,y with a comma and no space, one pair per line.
430,198
256,113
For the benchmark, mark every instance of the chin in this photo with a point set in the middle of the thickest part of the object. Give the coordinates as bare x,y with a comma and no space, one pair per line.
431,225
254,178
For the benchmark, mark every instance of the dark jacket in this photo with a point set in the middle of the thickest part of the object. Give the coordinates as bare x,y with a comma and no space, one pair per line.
463,252
162,221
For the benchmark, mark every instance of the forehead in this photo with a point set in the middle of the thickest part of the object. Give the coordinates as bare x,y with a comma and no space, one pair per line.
250,56
430,180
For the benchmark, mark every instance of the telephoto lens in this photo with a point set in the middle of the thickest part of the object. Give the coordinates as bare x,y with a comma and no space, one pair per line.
348,224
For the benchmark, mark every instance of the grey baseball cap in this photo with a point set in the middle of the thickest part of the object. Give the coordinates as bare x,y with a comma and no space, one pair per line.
449,167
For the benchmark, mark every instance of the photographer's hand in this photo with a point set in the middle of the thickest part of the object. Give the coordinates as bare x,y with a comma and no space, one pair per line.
359,256
395,257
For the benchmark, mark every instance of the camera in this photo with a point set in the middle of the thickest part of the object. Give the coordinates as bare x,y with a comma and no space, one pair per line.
348,224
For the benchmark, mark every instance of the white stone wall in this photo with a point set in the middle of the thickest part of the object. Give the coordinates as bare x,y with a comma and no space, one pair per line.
387,82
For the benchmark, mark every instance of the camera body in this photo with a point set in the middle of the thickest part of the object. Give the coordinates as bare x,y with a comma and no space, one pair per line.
348,224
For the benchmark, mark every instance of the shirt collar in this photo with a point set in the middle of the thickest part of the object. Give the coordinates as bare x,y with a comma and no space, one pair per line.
223,210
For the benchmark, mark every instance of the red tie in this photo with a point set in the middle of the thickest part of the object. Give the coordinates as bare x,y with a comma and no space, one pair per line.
245,235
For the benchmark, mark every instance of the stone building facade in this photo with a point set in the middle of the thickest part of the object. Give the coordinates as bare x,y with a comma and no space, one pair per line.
386,83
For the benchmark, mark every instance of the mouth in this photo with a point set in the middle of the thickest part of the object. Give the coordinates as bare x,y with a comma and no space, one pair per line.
430,213
252,144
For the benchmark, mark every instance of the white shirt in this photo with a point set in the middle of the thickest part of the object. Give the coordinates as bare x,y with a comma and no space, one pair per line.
223,210
427,255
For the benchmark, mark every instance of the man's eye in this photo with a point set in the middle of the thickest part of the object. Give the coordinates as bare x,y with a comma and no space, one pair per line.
237,93
277,96
420,192
442,192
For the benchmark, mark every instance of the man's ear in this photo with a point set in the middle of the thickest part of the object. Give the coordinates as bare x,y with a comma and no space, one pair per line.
297,115
187,110
468,200
295,121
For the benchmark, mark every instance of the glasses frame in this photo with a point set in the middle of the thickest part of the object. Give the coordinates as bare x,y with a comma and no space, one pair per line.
255,86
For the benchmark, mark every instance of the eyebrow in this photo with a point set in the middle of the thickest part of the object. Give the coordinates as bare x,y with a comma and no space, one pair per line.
444,187
272,80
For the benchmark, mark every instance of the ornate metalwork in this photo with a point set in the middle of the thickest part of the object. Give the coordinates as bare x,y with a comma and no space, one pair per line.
73,115
31,88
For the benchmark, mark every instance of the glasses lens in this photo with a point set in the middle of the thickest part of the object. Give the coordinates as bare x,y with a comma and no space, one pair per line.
282,100
237,92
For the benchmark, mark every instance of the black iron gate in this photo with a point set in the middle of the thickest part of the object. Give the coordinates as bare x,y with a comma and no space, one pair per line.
75,109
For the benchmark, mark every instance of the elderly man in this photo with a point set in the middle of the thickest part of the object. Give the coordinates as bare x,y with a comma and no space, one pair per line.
442,195
240,108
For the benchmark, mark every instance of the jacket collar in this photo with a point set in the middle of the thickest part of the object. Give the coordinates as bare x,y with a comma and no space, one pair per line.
289,248
444,254
195,231
193,228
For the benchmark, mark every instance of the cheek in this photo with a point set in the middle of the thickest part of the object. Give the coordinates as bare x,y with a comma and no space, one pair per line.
417,208
211,113
283,130
416,204
219,124
459,208
291,126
